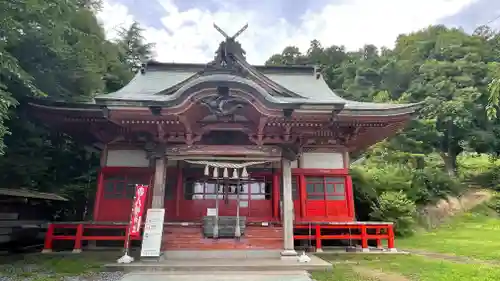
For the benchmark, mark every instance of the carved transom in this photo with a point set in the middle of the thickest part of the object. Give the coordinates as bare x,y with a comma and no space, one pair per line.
223,104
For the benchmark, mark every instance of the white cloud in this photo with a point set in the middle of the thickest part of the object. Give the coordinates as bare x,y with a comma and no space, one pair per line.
353,24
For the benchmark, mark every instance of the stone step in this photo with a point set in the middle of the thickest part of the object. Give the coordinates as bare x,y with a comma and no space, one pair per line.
218,276
192,238
223,264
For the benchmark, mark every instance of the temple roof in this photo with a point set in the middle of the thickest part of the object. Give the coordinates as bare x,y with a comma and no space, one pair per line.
162,83
300,88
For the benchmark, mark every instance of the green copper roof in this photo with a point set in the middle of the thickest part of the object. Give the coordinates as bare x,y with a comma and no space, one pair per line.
164,83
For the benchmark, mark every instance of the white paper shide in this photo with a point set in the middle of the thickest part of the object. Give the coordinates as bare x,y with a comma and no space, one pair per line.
153,230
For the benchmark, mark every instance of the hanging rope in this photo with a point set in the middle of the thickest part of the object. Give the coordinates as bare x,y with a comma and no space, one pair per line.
237,230
226,167
216,222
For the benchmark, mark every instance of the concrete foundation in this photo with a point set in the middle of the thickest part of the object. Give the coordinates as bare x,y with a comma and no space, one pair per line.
219,276
224,261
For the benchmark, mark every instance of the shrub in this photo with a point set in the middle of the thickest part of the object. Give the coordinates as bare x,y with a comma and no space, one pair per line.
494,203
431,184
490,178
398,208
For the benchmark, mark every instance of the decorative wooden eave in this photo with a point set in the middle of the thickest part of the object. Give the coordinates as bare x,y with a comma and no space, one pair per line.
289,106
88,123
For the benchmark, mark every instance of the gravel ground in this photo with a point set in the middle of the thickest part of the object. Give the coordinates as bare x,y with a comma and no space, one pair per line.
102,276
32,272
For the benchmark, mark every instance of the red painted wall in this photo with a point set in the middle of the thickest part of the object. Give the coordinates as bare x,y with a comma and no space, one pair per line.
113,204
116,186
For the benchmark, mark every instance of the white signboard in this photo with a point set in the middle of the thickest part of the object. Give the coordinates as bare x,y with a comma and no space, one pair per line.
211,212
153,232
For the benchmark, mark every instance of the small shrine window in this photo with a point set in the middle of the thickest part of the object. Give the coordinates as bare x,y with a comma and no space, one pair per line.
325,188
122,186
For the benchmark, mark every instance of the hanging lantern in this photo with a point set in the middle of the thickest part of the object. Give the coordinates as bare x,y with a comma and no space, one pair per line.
244,174
216,172
207,171
225,174
235,173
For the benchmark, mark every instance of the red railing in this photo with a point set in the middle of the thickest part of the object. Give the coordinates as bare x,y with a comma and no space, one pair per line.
79,236
316,232
381,231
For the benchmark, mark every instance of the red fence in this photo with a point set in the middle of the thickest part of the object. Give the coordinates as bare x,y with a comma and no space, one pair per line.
316,233
344,231
79,234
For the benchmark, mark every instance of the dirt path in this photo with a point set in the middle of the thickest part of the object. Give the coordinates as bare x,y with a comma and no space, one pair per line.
378,275
435,215
451,258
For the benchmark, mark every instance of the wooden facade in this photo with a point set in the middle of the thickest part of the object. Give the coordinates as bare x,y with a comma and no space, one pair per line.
292,134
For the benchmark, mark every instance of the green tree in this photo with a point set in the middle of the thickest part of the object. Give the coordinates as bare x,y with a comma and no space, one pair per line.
56,50
133,49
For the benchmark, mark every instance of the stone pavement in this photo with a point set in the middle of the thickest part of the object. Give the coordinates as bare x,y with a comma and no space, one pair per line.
219,276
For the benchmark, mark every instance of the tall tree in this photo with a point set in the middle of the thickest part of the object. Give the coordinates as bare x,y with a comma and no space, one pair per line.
133,48
56,50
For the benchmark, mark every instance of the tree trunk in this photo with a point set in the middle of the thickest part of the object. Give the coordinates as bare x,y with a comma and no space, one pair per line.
450,163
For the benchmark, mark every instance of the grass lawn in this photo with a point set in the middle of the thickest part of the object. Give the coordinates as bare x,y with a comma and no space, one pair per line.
474,235
52,267
403,268
341,273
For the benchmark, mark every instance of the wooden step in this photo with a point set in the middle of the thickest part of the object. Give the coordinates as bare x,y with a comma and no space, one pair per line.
192,238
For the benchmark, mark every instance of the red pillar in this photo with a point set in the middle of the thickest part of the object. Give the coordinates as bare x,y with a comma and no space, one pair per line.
78,239
350,197
178,192
302,195
276,194
98,195
390,239
319,247
364,238
379,241
47,247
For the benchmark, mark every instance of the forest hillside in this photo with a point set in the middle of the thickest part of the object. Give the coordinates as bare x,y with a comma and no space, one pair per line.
59,50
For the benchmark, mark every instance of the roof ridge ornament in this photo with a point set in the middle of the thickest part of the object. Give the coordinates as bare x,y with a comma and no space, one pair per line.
229,49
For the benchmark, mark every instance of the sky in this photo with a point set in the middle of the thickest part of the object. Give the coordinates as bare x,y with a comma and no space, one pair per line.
183,31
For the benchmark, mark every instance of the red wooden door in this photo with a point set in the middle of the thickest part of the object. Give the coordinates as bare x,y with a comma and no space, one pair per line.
118,189
326,198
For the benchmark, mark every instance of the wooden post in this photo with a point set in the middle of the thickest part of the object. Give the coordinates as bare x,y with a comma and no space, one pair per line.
78,239
364,239
179,192
390,239
98,195
276,195
302,195
319,248
288,213
100,183
349,197
379,241
47,247
159,183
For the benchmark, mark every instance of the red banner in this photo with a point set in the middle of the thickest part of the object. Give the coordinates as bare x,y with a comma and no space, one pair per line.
138,210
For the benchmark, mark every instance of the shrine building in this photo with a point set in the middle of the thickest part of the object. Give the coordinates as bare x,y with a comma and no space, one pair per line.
239,156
